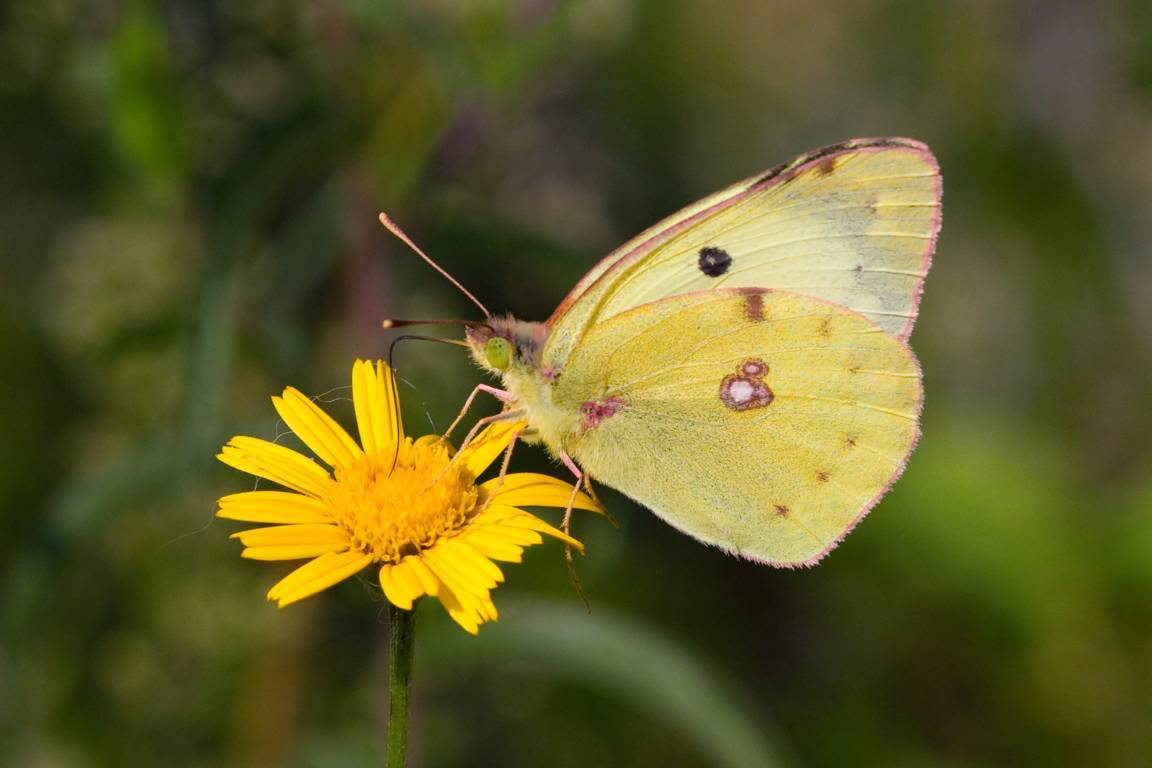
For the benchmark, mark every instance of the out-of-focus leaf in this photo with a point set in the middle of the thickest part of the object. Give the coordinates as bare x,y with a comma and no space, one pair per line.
147,110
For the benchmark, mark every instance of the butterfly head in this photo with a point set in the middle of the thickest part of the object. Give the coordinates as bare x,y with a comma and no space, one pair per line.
505,344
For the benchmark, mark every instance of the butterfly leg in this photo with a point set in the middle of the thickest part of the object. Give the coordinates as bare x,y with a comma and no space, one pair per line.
507,458
500,394
604,510
502,416
503,467
566,525
480,423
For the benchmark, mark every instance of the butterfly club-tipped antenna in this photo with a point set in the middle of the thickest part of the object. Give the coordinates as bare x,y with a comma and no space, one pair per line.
394,228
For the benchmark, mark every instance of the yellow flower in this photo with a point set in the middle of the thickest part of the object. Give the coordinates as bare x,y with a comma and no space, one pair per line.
407,507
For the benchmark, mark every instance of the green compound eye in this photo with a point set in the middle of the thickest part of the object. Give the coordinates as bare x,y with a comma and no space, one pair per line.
498,350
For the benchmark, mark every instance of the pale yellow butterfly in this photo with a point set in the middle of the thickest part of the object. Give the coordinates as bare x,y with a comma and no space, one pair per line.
741,368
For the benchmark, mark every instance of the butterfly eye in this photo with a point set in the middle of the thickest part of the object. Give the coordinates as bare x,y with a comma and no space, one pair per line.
498,350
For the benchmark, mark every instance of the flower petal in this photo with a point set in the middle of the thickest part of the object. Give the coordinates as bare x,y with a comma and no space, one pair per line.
290,552
463,614
276,463
273,507
462,581
428,581
292,535
407,578
493,545
487,609
476,561
399,589
318,430
521,537
392,590
489,444
518,518
321,573
377,414
529,489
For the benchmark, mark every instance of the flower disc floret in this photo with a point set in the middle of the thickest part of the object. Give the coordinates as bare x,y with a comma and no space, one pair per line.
393,507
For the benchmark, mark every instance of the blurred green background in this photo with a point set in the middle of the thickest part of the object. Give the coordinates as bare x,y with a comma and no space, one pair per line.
187,224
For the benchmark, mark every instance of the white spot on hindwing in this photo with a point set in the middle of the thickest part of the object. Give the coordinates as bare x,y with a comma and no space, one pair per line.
740,391
746,388
753,368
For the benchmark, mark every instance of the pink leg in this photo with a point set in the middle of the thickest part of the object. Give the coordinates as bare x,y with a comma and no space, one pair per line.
508,458
500,394
575,470
503,466
581,479
566,526
502,416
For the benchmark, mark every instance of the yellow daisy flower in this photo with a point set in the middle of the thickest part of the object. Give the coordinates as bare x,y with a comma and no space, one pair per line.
407,507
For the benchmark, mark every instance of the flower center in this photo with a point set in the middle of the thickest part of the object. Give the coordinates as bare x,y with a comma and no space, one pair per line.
392,511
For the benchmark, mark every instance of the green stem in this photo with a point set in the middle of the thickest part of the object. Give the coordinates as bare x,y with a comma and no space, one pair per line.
401,646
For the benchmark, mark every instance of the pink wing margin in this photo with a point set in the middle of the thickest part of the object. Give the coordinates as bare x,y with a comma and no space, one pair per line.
666,229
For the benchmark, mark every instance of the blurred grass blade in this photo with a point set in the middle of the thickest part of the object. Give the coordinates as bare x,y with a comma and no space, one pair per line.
628,661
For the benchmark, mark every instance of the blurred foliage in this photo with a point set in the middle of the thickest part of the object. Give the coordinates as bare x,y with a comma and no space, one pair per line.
188,225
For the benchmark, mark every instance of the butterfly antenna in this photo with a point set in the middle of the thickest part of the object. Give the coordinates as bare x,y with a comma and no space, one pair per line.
391,323
394,228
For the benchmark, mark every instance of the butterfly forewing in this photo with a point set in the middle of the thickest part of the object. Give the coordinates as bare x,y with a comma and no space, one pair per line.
853,223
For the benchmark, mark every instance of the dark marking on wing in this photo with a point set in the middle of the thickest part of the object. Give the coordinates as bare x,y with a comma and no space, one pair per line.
593,412
822,476
787,171
826,166
825,329
753,367
850,440
770,174
714,261
782,510
746,389
754,306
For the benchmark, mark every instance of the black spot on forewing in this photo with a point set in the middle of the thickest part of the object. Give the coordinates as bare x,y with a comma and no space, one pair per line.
714,261
782,510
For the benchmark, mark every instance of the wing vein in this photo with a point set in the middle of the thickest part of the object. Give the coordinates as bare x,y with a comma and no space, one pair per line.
841,401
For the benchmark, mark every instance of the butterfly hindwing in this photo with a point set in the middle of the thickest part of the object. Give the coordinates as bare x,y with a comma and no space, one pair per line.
763,422
854,223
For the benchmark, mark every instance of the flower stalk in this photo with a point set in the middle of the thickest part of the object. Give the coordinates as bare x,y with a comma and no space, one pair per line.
402,645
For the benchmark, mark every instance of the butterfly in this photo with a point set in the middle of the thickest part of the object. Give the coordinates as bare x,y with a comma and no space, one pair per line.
741,368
